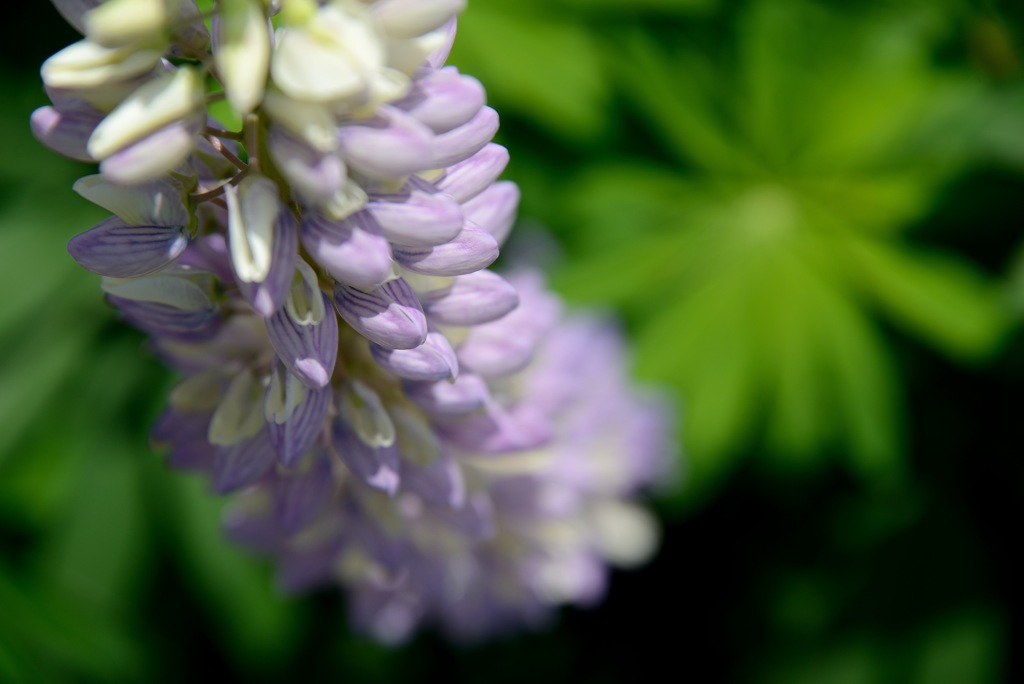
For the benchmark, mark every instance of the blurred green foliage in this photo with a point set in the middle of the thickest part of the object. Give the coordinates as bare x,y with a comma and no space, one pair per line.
798,144
761,190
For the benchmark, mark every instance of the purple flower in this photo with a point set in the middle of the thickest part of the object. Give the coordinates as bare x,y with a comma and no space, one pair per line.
389,415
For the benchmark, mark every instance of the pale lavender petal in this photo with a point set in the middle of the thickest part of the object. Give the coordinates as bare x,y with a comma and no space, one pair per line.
242,464
494,210
113,248
433,360
475,520
439,482
298,498
66,131
266,297
210,253
168,321
466,393
471,299
74,10
190,34
469,178
185,433
389,315
498,430
351,250
392,144
437,58
303,569
463,142
419,216
472,250
377,467
406,19
496,356
444,100
309,351
506,345
153,156
293,438
254,529
314,175
389,617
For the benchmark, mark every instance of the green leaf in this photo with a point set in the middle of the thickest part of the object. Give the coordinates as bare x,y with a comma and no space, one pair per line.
257,626
963,648
799,421
853,661
633,6
943,299
884,202
538,65
861,378
681,95
94,554
711,359
50,641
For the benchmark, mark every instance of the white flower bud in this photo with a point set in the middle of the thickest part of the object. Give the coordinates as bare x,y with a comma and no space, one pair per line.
158,204
240,414
329,58
252,214
178,287
162,101
311,122
412,18
125,22
363,410
242,52
86,64
284,395
626,534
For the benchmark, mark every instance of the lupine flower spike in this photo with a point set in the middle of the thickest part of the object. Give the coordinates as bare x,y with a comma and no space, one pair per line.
395,418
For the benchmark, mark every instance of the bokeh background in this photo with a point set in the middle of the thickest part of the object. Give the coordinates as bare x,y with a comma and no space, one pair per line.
807,216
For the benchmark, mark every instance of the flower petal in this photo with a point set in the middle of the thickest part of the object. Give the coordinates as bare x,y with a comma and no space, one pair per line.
376,466
309,351
242,464
390,145
160,203
463,142
464,394
472,250
314,175
444,100
151,157
439,482
412,18
494,210
242,52
469,178
114,248
471,299
350,250
293,435
66,131
274,268
419,216
389,315
298,498
433,360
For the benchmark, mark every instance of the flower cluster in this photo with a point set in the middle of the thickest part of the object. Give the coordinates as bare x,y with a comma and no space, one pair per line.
395,417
